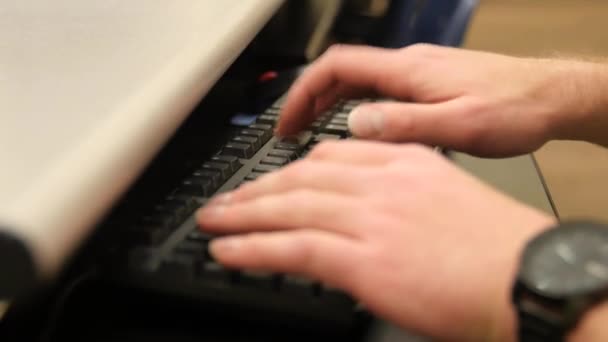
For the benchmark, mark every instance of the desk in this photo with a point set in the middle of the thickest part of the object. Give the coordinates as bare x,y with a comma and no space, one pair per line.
518,177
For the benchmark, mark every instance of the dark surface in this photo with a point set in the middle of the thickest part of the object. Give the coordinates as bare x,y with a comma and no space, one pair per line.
18,270
97,312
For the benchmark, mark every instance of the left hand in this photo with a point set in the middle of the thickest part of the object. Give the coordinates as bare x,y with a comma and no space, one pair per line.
414,238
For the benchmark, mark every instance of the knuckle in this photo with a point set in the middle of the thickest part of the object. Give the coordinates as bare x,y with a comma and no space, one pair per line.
419,56
475,120
332,55
334,50
303,249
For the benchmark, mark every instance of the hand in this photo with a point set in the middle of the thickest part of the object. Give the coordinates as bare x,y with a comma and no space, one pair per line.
413,237
481,103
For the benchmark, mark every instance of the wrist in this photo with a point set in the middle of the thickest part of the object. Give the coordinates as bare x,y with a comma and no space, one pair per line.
593,325
579,101
557,287
504,317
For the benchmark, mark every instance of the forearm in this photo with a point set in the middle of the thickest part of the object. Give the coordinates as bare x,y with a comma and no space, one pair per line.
581,93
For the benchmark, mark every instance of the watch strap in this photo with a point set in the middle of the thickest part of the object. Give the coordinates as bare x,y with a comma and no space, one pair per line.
531,328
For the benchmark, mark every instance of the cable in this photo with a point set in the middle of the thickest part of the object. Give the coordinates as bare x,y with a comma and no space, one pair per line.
58,307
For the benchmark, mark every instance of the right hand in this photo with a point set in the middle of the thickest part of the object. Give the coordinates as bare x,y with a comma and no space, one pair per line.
415,239
477,102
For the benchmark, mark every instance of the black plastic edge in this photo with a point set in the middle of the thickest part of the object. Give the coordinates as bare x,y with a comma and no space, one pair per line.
17,267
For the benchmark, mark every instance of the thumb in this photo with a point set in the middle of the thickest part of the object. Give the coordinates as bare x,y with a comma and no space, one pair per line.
431,124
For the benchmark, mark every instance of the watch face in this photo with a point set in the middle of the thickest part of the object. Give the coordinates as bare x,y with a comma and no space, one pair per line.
571,259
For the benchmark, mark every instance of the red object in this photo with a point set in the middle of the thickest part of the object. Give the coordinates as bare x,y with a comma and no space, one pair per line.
268,76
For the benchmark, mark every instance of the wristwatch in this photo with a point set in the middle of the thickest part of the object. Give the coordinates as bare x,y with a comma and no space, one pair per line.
563,273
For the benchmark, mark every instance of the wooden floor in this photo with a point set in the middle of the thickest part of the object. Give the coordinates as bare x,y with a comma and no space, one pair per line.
576,173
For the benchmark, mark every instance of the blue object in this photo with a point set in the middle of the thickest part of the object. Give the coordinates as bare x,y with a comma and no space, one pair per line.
442,22
243,119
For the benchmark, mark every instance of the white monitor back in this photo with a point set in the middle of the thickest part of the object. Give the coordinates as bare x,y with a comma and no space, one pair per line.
89,92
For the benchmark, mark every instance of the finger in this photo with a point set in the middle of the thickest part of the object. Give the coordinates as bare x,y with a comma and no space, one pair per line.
364,153
292,210
355,66
432,124
324,176
325,257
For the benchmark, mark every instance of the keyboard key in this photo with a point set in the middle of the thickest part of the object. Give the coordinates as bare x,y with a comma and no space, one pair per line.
299,140
289,155
191,247
335,296
325,115
179,210
273,111
339,121
188,202
287,146
324,136
351,104
298,285
237,149
267,129
232,161
148,234
278,161
343,116
207,254
162,220
199,236
259,280
165,216
263,168
253,141
335,129
223,168
261,135
253,176
267,119
158,219
214,272
214,176
178,266
142,259
202,187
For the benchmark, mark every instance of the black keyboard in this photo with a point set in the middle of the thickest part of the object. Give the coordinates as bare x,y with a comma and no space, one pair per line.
163,251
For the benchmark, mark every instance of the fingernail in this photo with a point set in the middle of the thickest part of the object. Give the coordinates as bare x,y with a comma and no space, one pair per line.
366,122
223,246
